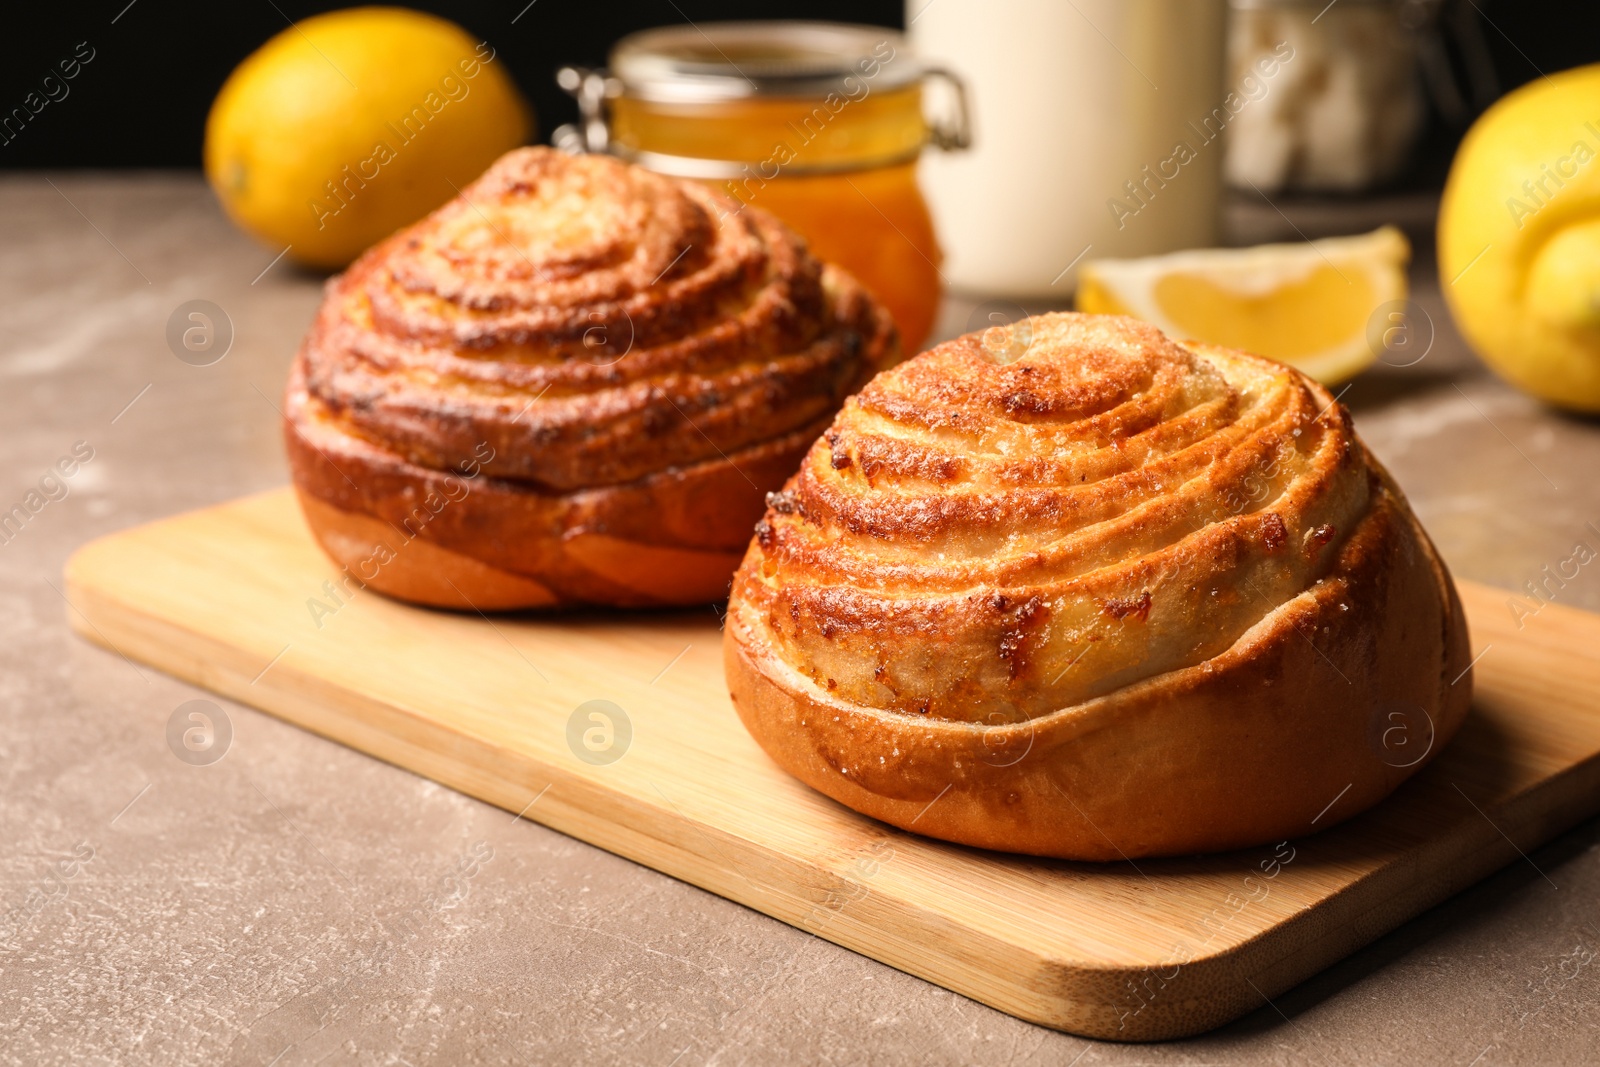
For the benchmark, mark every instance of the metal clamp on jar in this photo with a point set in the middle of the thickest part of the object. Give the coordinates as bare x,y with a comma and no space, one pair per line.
819,123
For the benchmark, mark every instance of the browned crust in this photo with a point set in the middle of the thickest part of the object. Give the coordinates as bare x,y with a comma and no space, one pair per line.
1248,747
380,557
607,367
1282,731
671,539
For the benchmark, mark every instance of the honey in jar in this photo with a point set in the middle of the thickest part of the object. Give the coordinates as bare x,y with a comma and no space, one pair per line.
819,123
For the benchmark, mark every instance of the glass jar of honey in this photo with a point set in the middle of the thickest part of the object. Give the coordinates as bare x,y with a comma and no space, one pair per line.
819,123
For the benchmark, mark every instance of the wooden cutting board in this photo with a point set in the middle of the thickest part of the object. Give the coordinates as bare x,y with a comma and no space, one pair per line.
232,598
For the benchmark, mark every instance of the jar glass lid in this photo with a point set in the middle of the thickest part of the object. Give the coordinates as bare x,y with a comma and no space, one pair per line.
732,60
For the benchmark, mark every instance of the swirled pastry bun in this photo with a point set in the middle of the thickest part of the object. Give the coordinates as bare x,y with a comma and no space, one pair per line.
574,383
1115,597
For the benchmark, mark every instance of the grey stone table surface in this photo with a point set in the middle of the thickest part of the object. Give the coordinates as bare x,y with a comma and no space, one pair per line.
274,907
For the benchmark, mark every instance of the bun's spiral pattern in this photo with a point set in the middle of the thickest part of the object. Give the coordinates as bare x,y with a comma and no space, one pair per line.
1062,527
616,353
981,547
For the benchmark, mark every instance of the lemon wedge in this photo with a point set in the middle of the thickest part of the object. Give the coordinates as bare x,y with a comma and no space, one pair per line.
1307,304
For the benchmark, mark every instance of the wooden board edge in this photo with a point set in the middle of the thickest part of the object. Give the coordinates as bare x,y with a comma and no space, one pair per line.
589,813
1088,999
1355,916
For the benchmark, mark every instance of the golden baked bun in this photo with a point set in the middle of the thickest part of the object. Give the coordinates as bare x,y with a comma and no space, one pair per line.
574,383
1095,594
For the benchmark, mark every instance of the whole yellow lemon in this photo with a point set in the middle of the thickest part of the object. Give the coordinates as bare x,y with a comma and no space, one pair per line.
347,126
1519,238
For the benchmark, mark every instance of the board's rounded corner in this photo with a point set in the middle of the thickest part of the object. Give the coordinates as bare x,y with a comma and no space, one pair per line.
1139,1003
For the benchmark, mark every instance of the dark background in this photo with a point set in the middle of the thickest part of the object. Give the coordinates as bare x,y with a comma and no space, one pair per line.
142,102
